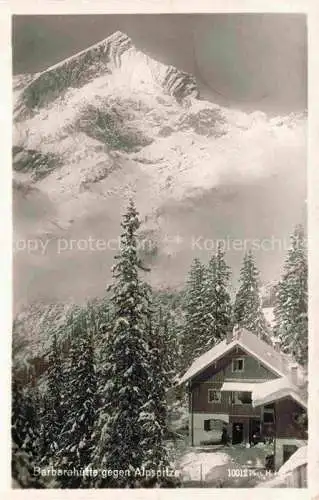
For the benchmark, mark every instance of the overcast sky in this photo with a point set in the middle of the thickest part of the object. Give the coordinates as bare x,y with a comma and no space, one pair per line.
256,61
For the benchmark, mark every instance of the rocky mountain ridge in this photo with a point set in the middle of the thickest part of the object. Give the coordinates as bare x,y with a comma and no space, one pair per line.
115,52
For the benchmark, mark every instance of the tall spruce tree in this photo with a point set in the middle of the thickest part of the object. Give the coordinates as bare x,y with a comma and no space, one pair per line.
170,325
195,324
123,441
56,404
248,311
216,298
153,417
76,442
291,307
44,415
25,435
172,350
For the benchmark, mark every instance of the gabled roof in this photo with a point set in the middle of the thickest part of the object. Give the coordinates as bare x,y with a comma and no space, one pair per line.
276,361
268,392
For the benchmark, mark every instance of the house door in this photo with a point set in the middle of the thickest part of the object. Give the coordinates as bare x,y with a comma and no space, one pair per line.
254,430
238,432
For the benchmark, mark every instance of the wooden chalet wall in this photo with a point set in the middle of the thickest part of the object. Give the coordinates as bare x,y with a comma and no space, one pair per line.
286,411
221,371
201,404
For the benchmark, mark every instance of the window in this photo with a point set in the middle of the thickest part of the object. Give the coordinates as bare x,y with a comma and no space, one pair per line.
214,396
242,398
269,417
238,365
214,425
206,425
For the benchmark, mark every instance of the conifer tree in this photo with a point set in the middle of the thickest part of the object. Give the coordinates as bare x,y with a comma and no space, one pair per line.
248,311
153,417
56,404
44,415
163,361
166,322
122,438
25,436
172,347
76,440
195,325
216,297
291,316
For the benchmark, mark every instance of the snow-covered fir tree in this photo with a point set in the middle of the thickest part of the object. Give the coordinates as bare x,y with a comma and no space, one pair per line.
195,324
216,299
23,470
291,308
163,352
172,333
76,442
45,414
248,311
56,404
153,417
127,419
25,435
170,324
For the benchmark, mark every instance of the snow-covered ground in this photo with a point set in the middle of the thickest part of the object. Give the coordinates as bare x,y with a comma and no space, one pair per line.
231,466
179,414
284,478
197,466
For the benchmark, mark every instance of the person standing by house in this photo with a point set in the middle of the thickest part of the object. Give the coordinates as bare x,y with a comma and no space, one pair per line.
225,437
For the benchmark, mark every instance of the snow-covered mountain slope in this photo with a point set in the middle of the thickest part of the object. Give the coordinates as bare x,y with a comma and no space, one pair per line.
34,326
110,122
114,56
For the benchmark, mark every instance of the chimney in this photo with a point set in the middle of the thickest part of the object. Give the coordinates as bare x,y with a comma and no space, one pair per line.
236,332
233,335
276,344
294,373
229,337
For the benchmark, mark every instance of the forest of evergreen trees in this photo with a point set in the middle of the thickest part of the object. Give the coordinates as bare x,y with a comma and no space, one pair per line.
102,401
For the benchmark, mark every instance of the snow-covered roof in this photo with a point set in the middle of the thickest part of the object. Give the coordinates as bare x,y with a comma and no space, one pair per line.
206,359
267,392
276,361
238,386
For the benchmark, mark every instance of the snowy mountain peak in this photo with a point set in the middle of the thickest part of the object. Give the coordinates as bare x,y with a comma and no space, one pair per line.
110,122
114,53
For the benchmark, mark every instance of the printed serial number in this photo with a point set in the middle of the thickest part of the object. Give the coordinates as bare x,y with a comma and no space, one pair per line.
249,473
239,473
